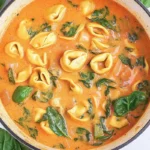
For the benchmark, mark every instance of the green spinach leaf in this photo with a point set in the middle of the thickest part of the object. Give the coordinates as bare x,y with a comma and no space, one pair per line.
56,122
43,97
133,37
69,29
124,105
21,93
104,81
7,142
108,90
11,76
108,108
2,2
33,132
80,47
54,79
140,62
125,60
146,3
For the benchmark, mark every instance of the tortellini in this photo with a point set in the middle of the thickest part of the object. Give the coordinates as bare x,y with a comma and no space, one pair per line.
130,47
80,28
102,63
77,112
55,13
36,59
43,39
73,86
118,122
22,31
15,50
73,60
39,112
40,79
98,44
97,30
87,7
24,74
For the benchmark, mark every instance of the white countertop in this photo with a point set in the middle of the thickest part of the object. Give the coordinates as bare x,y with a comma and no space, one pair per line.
141,143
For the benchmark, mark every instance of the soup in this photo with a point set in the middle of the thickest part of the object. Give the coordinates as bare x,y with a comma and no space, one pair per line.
74,74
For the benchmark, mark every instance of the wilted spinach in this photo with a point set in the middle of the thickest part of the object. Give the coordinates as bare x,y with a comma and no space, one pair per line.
11,76
140,62
133,37
108,108
80,47
123,105
33,132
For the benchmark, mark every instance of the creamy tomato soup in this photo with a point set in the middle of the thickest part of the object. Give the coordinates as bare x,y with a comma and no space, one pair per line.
74,74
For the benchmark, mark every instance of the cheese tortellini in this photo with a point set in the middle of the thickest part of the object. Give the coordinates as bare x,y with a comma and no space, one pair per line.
73,86
77,112
102,63
39,112
43,39
36,59
55,13
40,79
22,31
15,50
87,7
24,74
98,44
118,122
97,30
80,28
73,60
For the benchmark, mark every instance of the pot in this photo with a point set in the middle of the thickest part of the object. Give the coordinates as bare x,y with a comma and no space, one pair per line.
133,6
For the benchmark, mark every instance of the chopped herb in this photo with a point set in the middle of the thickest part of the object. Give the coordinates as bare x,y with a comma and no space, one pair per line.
140,62
43,97
125,60
11,76
54,79
81,47
87,78
129,49
61,146
108,108
107,91
72,4
133,37
69,29
33,132
84,132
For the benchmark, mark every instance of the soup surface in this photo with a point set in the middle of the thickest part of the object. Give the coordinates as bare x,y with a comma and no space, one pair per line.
74,74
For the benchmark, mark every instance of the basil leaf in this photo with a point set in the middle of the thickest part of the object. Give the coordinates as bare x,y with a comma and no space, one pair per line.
83,131
69,29
11,76
125,60
103,81
133,37
43,97
21,93
124,105
72,4
140,62
7,142
146,3
56,122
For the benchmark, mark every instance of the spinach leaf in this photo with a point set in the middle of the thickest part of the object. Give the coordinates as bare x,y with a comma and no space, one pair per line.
81,47
108,90
133,37
54,79
7,142
90,109
140,62
44,118
146,3
32,32
69,29
21,93
125,60
11,76
87,78
124,105
108,108
56,122
104,81
2,2
144,86
83,131
33,132
129,49
72,4
60,146
43,97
